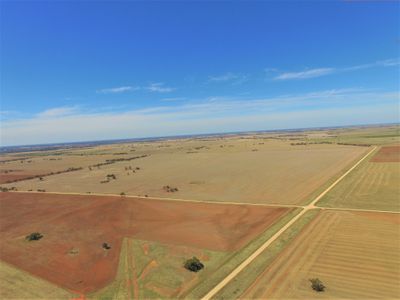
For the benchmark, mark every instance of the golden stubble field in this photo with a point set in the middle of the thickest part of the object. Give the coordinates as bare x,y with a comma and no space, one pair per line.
372,185
355,254
232,170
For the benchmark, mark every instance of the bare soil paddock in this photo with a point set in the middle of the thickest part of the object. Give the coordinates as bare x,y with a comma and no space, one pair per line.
74,227
387,154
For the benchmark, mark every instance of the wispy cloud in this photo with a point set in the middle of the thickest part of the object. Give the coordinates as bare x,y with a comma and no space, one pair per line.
318,72
58,112
389,62
173,99
159,87
305,74
117,90
235,78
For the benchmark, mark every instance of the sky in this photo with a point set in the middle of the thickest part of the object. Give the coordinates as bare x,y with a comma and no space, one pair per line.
81,71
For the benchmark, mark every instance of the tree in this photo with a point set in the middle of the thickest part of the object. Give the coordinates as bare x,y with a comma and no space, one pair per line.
106,246
34,236
193,264
317,285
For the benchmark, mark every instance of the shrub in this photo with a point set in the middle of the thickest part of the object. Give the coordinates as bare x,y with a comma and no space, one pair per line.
34,236
170,189
193,264
317,285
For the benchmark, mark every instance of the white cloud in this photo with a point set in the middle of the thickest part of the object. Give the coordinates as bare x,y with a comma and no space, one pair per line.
117,90
318,72
228,77
58,112
173,99
321,108
305,74
389,62
159,88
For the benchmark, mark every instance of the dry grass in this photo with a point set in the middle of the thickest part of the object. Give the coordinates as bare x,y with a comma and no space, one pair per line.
372,185
17,284
276,173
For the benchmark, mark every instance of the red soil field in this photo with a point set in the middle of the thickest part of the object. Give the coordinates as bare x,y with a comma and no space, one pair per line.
84,223
387,154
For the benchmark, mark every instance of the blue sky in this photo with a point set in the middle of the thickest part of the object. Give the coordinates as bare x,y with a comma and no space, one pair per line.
74,71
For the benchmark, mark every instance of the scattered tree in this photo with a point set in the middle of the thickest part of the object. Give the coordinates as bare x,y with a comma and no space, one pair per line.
317,285
193,264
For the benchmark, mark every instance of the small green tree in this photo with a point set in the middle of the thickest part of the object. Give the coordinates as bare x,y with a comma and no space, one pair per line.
193,264
34,236
317,285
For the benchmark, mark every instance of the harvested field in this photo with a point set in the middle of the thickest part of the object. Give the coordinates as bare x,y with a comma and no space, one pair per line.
356,255
74,227
231,173
370,186
387,154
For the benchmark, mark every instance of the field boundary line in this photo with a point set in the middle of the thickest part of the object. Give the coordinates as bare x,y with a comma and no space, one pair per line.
163,199
261,249
312,204
359,210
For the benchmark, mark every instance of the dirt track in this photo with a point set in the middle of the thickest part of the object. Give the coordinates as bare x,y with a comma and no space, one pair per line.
83,223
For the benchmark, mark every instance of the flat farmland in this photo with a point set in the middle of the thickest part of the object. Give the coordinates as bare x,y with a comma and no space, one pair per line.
372,185
75,227
44,164
234,170
355,254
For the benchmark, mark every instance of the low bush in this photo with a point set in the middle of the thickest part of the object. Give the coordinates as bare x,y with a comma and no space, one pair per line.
34,236
317,285
193,264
